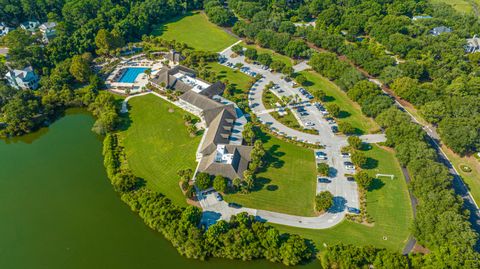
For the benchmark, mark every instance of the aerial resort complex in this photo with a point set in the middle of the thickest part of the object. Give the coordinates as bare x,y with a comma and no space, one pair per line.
228,134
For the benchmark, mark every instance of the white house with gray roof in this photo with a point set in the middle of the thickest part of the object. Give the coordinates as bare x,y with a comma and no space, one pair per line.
473,45
48,31
4,29
30,26
22,79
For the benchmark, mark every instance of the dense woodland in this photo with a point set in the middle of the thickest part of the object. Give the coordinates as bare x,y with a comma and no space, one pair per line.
433,73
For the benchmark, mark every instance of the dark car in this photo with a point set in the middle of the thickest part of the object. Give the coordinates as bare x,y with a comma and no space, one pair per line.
350,178
353,210
234,205
324,180
334,129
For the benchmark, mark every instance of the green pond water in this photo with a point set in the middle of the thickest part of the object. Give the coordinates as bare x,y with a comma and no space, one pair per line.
58,209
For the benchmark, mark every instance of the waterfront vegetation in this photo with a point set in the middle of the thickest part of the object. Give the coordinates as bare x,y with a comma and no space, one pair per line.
180,225
289,175
387,203
195,30
157,144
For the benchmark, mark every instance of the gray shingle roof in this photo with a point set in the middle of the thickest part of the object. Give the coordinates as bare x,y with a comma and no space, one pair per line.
235,169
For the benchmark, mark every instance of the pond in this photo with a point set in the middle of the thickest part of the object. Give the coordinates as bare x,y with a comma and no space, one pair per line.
58,209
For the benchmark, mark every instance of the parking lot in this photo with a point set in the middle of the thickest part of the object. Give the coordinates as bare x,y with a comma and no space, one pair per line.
310,116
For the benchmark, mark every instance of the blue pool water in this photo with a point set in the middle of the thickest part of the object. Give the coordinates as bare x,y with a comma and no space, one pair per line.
131,74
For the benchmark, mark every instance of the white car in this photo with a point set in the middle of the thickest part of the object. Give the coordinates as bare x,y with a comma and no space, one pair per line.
309,123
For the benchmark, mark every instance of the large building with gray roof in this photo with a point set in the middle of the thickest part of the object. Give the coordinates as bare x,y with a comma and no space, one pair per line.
220,152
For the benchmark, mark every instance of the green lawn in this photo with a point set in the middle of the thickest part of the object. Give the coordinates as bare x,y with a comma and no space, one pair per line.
463,6
157,145
270,100
387,202
351,111
240,80
275,56
195,30
287,185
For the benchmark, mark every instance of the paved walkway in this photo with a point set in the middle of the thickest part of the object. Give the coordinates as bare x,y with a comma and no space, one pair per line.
214,211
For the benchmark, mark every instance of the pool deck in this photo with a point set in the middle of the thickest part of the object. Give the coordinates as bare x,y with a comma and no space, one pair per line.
141,80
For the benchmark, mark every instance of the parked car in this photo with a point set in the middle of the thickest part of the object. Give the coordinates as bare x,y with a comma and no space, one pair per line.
323,180
353,210
309,123
321,155
303,114
350,178
218,197
349,165
346,155
234,205
330,120
334,129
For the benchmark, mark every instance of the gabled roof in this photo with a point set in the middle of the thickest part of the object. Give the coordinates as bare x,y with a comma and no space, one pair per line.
216,88
174,56
200,101
47,26
218,131
235,169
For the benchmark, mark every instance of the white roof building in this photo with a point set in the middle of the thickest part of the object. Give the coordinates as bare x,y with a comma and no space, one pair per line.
48,31
22,79
473,44
30,26
4,29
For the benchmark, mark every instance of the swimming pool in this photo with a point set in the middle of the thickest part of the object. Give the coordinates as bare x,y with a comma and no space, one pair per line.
131,74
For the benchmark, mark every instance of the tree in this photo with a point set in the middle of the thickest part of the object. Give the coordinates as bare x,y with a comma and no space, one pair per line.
359,159
323,169
363,179
319,95
107,41
203,181
264,58
323,201
301,79
346,128
277,65
333,109
355,142
238,49
296,48
251,53
80,69
220,183
288,70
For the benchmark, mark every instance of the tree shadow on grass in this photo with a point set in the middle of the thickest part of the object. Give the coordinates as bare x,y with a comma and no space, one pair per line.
376,184
371,163
343,114
328,98
260,183
273,156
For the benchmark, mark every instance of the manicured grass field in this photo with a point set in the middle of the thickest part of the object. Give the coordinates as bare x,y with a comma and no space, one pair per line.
195,30
387,202
463,6
275,56
288,183
157,145
240,80
352,111
471,179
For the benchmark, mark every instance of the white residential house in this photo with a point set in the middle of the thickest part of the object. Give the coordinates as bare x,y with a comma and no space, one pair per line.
4,29
440,30
473,44
22,79
48,31
30,26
